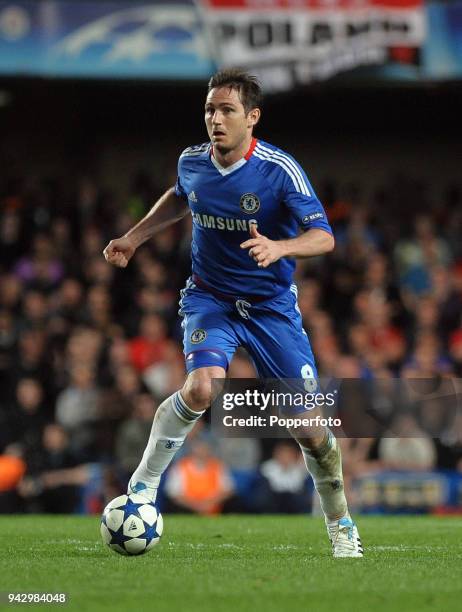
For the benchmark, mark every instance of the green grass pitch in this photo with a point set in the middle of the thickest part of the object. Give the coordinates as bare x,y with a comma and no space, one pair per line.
237,563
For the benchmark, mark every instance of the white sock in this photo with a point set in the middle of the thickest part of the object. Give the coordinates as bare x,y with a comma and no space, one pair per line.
325,466
172,423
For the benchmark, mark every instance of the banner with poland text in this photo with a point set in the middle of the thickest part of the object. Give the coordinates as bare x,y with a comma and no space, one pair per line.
290,42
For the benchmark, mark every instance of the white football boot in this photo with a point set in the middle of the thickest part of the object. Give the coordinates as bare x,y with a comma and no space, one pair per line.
344,538
140,488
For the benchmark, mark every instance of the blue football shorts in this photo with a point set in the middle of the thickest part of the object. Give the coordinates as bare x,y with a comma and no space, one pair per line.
271,331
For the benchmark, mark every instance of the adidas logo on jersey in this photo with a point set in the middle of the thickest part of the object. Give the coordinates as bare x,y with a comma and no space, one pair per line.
192,196
196,150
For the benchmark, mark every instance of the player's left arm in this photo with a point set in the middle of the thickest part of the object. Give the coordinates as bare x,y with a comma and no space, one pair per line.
309,244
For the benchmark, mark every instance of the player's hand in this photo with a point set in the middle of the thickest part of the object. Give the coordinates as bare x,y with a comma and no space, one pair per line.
119,252
263,250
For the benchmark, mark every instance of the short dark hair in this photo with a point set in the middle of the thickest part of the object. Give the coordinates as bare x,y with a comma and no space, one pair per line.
247,86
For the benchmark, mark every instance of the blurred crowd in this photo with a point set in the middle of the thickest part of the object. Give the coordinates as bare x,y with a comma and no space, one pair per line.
87,351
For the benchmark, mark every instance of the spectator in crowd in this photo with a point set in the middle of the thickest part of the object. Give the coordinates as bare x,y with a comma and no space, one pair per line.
10,236
283,485
407,447
152,343
97,274
359,460
30,361
414,258
448,299
164,376
97,313
34,309
41,269
68,300
115,404
455,350
149,299
28,417
8,341
133,434
12,469
240,454
199,482
382,335
10,293
76,408
449,443
53,480
308,298
427,359
84,345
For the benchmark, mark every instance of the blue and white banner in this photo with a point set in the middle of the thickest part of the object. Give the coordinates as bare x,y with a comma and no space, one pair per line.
110,39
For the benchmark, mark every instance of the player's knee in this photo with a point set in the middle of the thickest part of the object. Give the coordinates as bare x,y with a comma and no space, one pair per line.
197,391
198,394
312,434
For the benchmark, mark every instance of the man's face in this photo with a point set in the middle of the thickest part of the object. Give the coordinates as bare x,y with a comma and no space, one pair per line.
228,125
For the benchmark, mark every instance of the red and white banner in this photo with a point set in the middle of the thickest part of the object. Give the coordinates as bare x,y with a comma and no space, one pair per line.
298,41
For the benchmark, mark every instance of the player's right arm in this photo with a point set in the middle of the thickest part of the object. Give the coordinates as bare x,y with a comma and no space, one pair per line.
168,209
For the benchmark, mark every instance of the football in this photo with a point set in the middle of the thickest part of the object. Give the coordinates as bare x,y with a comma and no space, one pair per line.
131,525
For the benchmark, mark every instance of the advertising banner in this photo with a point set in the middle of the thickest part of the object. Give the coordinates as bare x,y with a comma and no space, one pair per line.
300,41
110,39
284,42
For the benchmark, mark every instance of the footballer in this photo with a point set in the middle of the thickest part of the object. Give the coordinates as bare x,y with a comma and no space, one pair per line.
248,200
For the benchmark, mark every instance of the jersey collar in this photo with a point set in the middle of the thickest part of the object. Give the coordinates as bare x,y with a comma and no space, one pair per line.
236,165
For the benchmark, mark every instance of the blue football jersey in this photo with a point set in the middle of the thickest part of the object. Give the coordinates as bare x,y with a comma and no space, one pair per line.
267,187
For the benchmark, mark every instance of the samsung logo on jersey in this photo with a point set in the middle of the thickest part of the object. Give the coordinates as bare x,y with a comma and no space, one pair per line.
223,223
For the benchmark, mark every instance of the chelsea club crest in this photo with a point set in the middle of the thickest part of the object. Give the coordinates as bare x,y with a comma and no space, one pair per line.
198,335
249,203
